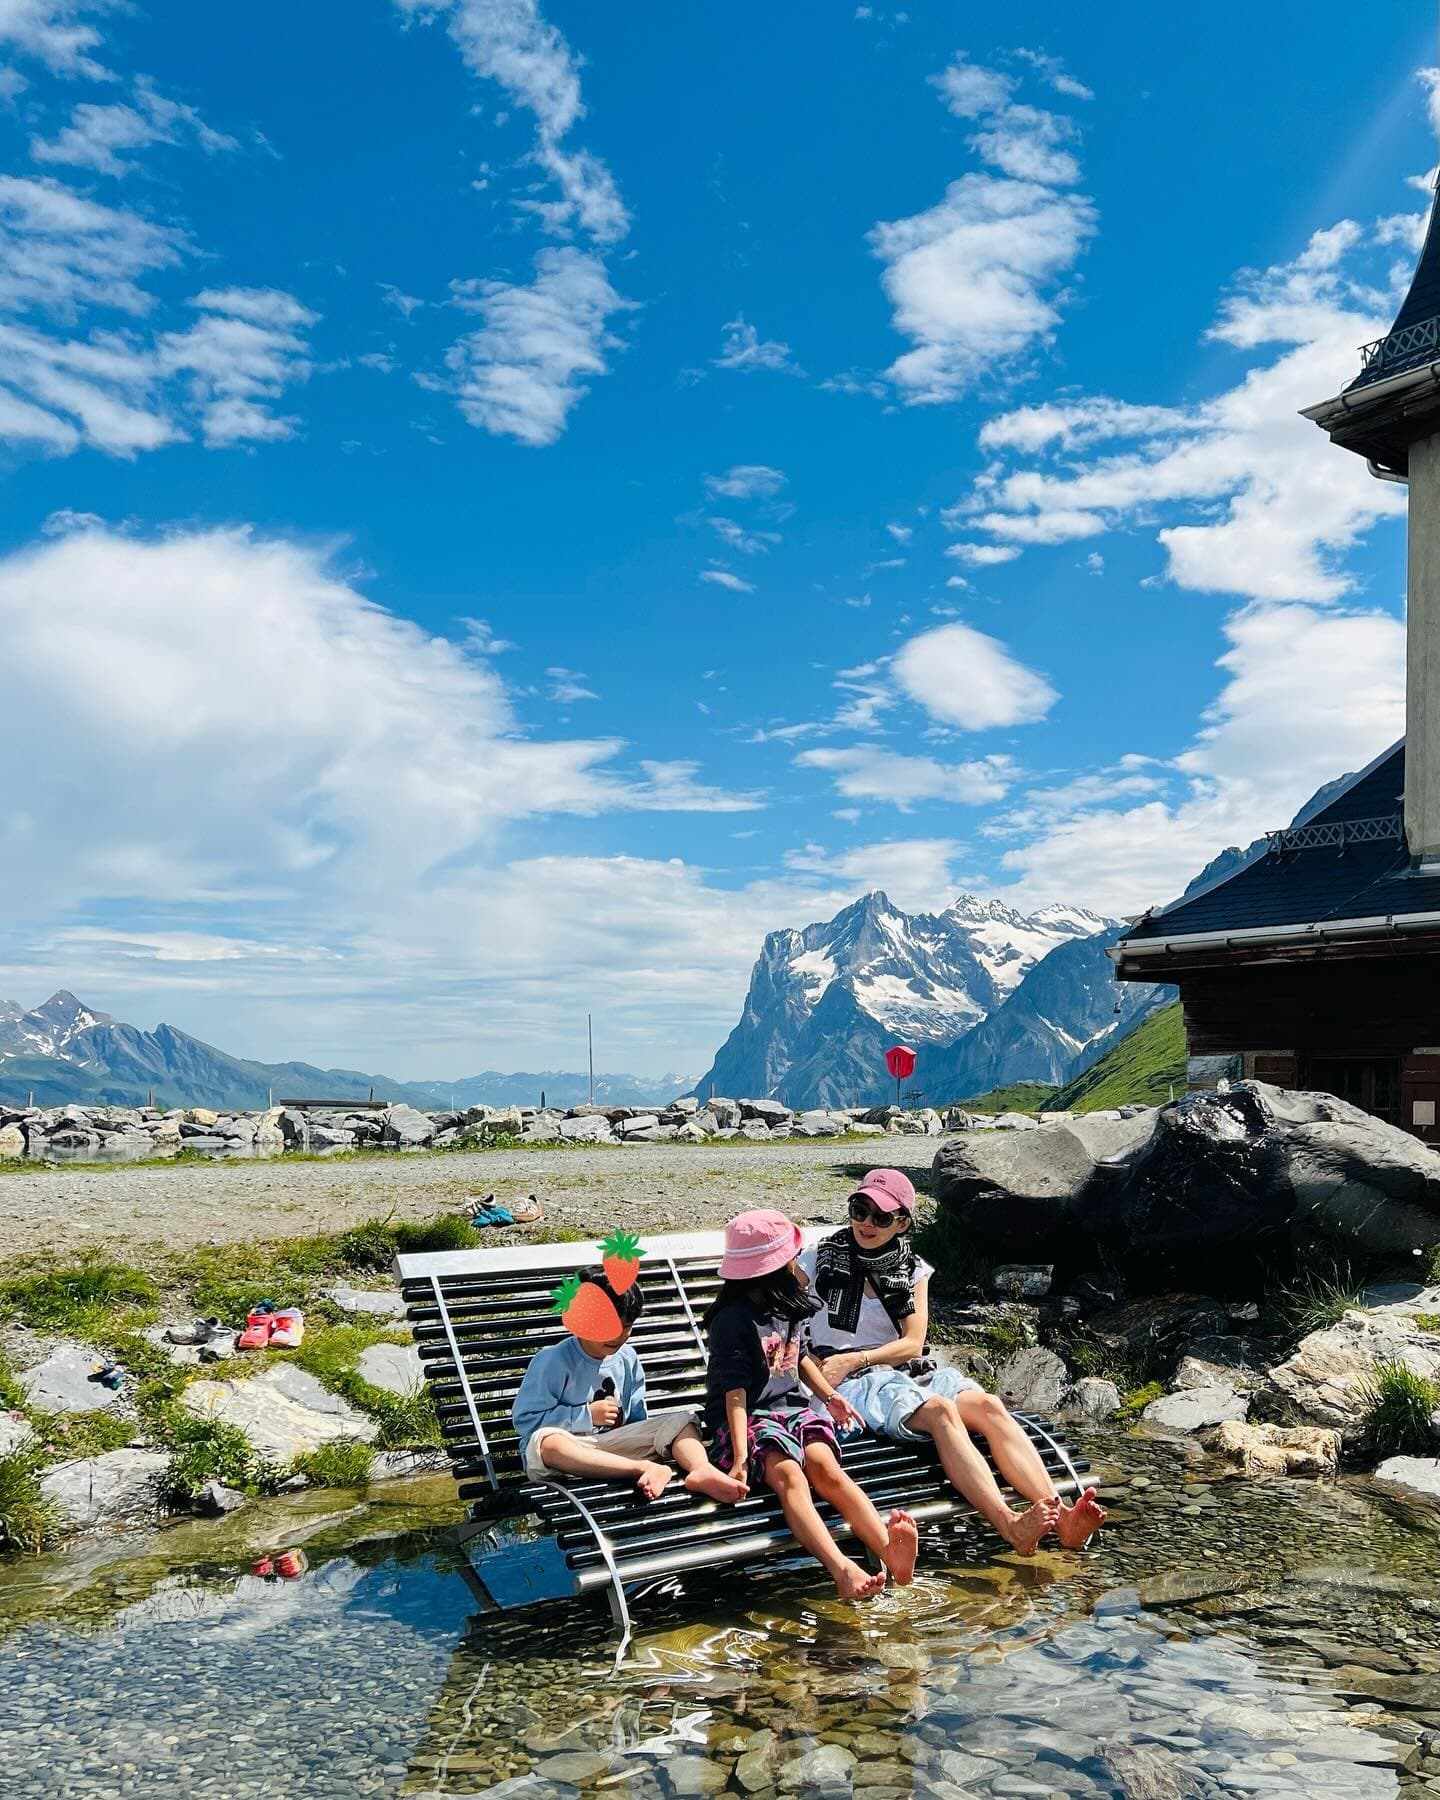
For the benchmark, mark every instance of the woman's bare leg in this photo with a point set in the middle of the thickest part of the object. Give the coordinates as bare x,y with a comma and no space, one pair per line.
1021,1466
969,1472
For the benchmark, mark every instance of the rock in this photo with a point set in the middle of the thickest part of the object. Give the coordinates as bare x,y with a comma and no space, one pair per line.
1011,1193
691,1132
687,1103
593,1130
858,1130
820,1124
1193,1409
755,1129
727,1112
216,1500
330,1137
404,1126
1032,1381
382,1303
105,1490
1092,1397
13,1143
880,1115
208,1144
957,1119
1054,1118
1146,1772
690,1775
1412,1475
1016,1121
1022,1281
283,1412
1226,1360
754,1768
293,1127
1159,1328
639,1126
202,1115
16,1432
825,1770
62,1382
578,1766
1330,1374
69,1137
393,1368
1276,1449
706,1122
769,1112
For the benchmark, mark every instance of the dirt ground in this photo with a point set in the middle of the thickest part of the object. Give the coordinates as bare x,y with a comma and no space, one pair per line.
656,1187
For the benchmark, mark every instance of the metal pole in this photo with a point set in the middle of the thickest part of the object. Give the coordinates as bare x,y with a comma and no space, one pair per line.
590,1044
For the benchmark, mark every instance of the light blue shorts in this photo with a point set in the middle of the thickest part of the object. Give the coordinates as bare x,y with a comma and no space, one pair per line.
885,1398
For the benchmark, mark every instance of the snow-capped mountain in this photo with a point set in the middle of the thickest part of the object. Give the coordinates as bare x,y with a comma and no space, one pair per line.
65,1051
825,1003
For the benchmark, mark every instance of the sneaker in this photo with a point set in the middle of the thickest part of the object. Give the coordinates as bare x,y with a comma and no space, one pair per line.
258,1328
291,1564
219,1346
288,1331
197,1333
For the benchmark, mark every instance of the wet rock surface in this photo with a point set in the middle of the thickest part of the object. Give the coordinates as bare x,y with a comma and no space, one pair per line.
1330,1375
283,1412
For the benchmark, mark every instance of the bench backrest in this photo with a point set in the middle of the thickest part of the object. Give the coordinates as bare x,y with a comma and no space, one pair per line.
478,1316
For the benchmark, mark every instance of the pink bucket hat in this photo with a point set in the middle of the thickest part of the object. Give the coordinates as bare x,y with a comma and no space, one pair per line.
888,1189
758,1243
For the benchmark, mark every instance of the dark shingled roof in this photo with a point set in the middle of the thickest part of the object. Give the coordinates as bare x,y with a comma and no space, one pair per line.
1300,886
1420,305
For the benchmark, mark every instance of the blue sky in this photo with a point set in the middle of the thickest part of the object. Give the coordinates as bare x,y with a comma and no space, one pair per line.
508,504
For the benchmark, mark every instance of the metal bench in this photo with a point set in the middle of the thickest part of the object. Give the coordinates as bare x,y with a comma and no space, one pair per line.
478,1316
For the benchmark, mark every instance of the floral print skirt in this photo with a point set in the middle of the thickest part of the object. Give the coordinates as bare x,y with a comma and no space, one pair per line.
783,1429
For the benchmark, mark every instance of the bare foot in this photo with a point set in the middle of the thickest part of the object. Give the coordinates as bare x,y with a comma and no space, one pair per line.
1027,1528
655,1477
903,1548
853,1583
1077,1524
715,1484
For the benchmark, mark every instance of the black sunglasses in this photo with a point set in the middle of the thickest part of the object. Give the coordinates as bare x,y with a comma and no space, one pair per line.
863,1213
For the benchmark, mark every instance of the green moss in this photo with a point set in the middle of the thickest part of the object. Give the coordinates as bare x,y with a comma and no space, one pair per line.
91,1299
68,1436
343,1464
1428,1321
1133,1403
1398,1406
27,1520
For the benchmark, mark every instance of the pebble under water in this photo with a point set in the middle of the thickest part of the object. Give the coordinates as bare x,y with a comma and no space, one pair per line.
1228,1637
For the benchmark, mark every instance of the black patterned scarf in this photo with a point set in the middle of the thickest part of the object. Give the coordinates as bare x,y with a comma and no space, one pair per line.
842,1269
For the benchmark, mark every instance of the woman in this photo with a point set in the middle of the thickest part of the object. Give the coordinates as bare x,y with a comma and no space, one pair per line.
876,1291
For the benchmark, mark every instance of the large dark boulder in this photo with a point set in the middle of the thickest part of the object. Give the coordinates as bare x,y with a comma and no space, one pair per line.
1214,1188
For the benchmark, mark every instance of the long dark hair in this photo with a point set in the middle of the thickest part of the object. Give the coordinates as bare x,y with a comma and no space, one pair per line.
775,1296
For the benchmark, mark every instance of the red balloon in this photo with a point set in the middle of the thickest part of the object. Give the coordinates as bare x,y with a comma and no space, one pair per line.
900,1062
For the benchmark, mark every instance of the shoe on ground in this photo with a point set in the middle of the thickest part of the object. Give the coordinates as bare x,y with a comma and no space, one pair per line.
198,1332
258,1328
219,1346
288,1330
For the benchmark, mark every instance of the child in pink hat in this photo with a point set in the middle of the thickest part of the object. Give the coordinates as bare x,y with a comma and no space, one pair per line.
759,1414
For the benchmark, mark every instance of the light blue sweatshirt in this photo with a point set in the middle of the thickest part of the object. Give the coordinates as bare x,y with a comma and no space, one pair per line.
562,1381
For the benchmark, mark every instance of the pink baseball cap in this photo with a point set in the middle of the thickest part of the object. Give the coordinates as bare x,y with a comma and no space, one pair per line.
888,1189
758,1243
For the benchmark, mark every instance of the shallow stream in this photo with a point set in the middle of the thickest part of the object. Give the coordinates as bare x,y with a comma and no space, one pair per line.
1227,1638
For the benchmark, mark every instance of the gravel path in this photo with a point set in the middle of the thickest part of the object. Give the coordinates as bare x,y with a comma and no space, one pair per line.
658,1187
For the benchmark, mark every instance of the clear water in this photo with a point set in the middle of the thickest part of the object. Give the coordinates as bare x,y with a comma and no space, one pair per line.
1229,1638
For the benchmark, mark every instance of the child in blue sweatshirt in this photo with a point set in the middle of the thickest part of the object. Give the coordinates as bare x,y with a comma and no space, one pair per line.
581,1411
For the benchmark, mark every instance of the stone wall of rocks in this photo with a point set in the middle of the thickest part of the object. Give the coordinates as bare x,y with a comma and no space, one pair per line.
109,1131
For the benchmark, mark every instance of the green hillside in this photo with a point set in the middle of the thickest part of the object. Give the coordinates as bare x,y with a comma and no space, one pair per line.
1144,1066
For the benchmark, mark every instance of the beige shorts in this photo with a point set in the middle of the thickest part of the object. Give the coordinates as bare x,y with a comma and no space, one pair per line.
652,1437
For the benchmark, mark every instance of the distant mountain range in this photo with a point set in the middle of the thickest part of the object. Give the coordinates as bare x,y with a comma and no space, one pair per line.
64,1051
985,995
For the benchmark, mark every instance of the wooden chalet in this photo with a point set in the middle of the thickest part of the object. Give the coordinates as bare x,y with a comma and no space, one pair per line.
1317,965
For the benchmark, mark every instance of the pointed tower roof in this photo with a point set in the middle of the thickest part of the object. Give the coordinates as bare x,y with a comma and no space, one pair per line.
1395,399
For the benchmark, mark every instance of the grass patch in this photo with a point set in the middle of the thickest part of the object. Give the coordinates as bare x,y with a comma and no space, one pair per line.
69,1436
1019,1096
376,1243
205,1450
1313,1304
1431,1265
1428,1321
1398,1405
27,1520
91,1299
343,1464
12,1395
1130,1366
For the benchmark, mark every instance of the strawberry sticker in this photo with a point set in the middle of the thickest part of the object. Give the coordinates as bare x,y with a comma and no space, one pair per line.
586,1310
620,1255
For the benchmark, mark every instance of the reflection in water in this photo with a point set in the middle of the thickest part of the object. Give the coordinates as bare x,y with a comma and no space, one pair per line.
1147,1671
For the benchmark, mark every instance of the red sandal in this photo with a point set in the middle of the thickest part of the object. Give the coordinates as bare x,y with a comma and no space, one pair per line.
256,1335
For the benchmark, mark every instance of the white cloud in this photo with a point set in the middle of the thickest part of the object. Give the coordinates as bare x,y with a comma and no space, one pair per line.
1243,495
55,32
866,772
62,253
97,137
982,556
743,348
747,481
524,370
512,43
1051,70
1309,694
568,685
902,534
962,677
405,304
971,280
237,358
916,873
747,543
724,578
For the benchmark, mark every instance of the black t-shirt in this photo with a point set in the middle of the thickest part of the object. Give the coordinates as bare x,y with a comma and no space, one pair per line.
760,1355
